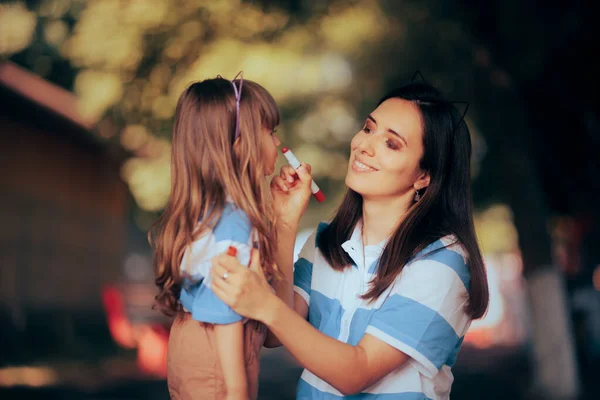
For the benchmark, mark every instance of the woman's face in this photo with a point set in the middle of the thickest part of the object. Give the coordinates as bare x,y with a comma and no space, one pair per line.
385,154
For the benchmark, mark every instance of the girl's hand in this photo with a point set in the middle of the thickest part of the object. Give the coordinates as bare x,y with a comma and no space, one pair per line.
244,289
291,193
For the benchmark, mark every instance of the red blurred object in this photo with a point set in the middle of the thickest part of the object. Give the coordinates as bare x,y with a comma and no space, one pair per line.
482,338
150,338
152,350
118,324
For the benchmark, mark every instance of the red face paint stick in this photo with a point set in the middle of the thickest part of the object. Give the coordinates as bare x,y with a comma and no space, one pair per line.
293,161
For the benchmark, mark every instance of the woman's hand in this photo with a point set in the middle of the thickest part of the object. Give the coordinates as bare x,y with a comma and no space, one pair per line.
291,193
244,289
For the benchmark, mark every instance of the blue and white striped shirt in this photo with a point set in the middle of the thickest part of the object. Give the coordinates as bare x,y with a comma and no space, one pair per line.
232,229
421,314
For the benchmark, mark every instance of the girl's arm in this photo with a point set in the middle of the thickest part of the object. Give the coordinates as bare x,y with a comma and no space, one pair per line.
230,350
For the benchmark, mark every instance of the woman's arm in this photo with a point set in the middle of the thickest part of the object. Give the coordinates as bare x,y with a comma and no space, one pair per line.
284,257
230,350
291,193
348,368
286,238
284,287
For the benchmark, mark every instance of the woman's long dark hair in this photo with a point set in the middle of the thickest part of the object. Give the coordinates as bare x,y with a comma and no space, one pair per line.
445,207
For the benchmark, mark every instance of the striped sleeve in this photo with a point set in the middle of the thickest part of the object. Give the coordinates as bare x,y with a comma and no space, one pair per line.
233,229
303,268
423,316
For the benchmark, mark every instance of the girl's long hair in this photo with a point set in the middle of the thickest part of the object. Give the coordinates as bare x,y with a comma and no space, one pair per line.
444,209
207,165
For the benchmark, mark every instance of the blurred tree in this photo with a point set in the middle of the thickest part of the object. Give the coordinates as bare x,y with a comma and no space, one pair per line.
543,148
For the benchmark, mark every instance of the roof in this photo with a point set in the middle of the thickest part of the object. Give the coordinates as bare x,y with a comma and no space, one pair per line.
30,99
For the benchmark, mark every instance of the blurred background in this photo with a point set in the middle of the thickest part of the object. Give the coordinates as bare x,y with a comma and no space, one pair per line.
87,95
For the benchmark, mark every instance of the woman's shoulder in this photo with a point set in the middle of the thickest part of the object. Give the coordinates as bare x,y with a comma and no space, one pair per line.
445,255
321,228
448,245
313,239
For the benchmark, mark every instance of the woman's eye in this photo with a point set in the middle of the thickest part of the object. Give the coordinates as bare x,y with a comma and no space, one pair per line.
392,145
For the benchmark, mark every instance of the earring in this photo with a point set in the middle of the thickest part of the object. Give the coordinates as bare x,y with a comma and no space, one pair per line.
417,195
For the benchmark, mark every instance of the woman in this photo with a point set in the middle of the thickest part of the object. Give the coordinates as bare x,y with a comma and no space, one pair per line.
385,292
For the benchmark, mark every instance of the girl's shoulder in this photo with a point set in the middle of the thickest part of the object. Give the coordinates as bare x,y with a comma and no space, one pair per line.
233,224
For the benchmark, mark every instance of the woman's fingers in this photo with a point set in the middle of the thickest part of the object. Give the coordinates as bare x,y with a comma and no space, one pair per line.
255,262
306,167
226,269
289,178
288,173
227,288
304,173
280,183
230,263
218,270
219,288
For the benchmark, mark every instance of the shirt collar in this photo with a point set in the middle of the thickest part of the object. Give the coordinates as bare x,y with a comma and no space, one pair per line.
354,246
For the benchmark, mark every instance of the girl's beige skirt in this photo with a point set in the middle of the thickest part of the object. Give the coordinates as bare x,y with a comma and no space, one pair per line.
193,368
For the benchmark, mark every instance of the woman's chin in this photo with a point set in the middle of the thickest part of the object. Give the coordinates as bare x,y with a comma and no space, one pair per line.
358,187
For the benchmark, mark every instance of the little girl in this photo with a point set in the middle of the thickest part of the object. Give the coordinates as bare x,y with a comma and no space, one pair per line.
223,147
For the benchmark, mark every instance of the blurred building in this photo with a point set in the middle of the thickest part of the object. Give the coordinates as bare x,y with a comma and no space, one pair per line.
63,209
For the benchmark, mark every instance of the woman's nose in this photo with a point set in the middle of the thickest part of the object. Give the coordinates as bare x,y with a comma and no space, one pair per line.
366,146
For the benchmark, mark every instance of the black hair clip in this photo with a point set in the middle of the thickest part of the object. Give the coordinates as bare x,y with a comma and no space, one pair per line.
418,73
466,104
464,113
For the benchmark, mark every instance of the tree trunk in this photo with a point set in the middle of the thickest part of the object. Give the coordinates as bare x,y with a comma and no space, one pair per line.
555,368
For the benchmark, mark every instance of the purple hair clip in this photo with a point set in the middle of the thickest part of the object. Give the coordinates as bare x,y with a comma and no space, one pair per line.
238,96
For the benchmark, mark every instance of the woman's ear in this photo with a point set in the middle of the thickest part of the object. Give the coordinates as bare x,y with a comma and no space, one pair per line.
422,181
